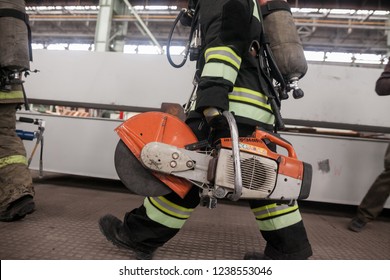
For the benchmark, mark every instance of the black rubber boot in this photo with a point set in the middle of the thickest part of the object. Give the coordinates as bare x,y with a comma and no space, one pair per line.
112,229
18,209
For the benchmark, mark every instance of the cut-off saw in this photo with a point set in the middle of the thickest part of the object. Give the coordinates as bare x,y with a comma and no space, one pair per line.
158,154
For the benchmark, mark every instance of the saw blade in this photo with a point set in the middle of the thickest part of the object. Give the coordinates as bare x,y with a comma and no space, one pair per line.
135,176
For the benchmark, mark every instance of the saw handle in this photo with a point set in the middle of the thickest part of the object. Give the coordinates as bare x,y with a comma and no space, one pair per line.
260,134
236,156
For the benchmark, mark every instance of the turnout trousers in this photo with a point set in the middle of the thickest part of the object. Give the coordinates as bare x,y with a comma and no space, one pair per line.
376,197
160,218
15,177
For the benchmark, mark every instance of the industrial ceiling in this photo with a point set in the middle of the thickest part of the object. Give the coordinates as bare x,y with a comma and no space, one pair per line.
365,29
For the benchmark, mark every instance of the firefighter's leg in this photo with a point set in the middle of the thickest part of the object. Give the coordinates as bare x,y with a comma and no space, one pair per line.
16,189
283,229
150,226
156,221
374,201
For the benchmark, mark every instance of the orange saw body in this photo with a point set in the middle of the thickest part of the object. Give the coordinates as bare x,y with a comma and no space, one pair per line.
161,144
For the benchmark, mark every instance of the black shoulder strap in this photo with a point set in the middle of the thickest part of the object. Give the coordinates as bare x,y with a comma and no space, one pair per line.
272,6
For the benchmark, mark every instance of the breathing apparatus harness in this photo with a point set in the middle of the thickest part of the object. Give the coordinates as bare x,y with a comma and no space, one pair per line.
266,61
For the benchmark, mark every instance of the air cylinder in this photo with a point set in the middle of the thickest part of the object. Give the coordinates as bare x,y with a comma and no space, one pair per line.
284,40
14,41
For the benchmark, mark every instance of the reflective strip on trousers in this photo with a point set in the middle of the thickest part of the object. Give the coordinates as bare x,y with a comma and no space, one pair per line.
274,216
16,159
16,94
164,212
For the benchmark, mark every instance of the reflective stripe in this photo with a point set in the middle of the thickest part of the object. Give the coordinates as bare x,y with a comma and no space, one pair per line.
162,211
249,96
213,69
280,222
255,10
224,54
11,94
273,210
252,112
16,159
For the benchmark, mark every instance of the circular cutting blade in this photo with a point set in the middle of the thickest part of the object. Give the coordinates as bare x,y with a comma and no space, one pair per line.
134,175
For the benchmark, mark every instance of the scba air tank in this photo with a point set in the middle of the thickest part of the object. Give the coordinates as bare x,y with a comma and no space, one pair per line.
284,42
14,36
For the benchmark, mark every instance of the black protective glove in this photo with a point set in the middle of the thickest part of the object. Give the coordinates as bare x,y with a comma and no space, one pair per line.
214,118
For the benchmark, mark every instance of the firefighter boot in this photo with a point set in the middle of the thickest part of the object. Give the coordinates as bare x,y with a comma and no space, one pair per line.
112,228
18,209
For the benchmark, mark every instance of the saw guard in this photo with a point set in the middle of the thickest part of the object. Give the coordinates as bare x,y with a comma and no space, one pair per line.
148,127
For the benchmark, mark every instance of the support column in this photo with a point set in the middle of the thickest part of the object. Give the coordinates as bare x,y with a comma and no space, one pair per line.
119,38
103,25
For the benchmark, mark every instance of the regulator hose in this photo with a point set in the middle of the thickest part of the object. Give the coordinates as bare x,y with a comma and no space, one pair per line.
187,47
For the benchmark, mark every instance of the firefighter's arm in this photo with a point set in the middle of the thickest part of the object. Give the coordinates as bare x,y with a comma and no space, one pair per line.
224,28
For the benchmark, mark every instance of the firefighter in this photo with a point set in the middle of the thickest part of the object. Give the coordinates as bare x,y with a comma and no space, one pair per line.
229,80
16,189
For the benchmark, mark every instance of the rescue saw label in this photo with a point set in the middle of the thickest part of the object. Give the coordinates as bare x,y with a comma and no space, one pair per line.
252,149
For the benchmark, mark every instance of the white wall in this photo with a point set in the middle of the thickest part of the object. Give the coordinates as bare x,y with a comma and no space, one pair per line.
340,94
108,78
332,93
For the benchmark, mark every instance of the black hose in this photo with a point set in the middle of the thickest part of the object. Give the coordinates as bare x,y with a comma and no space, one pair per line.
179,16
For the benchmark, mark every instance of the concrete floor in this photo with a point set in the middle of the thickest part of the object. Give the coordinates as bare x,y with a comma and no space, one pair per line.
64,227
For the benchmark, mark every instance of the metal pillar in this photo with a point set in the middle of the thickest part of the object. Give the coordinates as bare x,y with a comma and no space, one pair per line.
104,39
103,25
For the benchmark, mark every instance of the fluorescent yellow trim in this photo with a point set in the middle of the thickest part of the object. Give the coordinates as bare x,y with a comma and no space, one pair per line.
249,111
279,222
11,94
249,91
173,205
161,218
168,211
214,69
16,159
255,10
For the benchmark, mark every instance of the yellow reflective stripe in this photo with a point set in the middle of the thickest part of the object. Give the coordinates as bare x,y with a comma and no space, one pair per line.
252,112
161,218
172,208
273,210
280,222
215,69
249,96
16,159
11,94
166,212
255,10
224,54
